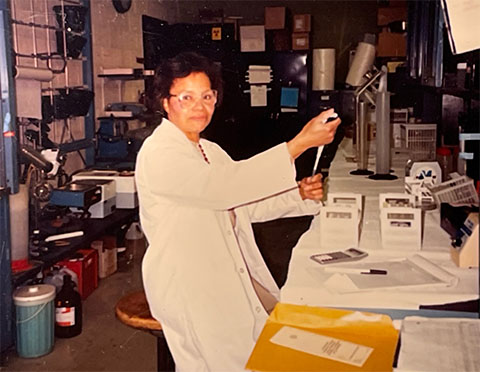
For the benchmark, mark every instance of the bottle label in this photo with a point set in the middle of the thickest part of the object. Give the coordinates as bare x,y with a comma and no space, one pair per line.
65,316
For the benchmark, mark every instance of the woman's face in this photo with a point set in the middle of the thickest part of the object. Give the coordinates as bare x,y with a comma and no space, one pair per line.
191,104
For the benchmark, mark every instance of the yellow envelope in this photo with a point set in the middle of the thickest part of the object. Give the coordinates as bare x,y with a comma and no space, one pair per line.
305,338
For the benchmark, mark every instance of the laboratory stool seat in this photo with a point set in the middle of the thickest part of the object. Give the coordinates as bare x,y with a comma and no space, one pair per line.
132,310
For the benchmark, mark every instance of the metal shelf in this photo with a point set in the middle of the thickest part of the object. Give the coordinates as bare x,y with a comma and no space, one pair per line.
92,228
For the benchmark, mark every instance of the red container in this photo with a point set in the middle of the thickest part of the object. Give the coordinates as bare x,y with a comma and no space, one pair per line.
86,268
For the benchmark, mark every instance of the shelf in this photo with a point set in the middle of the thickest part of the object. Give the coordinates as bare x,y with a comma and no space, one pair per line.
119,115
93,228
453,91
126,73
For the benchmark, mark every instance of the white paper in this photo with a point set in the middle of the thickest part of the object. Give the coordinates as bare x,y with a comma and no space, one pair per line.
463,27
252,38
29,98
439,344
414,271
322,346
258,95
259,74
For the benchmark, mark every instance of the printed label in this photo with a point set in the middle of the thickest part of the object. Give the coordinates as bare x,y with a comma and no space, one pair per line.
65,316
322,346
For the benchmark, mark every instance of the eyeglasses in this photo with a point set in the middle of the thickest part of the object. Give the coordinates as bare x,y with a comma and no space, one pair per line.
188,99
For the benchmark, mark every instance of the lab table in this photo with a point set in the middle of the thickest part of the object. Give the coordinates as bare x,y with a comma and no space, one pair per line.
307,280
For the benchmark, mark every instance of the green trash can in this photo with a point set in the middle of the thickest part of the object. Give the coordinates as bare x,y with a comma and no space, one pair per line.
35,313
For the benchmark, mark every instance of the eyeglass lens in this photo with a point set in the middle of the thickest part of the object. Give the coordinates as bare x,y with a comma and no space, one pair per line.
189,99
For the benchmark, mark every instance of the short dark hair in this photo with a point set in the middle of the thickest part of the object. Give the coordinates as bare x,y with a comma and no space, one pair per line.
180,66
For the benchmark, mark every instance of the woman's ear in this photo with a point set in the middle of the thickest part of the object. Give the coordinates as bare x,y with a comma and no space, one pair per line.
165,105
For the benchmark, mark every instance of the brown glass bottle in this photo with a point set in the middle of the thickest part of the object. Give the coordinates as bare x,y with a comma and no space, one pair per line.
68,310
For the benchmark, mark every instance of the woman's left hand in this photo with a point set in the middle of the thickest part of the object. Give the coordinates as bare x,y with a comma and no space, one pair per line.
311,187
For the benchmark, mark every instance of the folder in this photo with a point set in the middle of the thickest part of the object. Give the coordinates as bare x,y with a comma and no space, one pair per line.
305,338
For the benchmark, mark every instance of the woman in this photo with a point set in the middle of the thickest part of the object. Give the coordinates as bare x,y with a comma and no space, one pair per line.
204,277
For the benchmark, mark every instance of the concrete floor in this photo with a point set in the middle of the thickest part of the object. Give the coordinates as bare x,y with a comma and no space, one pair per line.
105,344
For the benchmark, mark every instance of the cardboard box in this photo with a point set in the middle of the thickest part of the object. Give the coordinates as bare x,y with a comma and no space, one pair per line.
387,15
300,41
391,45
275,17
86,268
107,255
301,23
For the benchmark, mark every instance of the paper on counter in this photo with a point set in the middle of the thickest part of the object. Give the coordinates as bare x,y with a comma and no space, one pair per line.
415,271
439,344
314,339
322,346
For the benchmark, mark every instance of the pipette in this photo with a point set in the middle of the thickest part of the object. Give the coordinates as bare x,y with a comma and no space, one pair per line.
320,148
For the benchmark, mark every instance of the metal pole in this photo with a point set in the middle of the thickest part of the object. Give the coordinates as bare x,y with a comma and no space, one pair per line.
383,139
362,143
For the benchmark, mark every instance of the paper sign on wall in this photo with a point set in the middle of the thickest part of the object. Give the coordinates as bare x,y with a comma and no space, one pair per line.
258,95
252,38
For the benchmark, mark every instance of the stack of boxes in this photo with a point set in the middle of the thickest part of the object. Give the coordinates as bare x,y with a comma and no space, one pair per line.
85,265
276,24
285,34
301,32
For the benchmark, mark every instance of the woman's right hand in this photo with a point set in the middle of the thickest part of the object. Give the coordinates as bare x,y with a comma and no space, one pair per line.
315,133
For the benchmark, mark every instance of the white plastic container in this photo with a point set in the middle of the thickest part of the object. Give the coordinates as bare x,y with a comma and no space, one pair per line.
35,313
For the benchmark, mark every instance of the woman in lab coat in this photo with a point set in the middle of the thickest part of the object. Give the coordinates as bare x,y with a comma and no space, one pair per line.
204,277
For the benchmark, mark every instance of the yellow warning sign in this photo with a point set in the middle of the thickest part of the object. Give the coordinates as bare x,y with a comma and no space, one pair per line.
216,33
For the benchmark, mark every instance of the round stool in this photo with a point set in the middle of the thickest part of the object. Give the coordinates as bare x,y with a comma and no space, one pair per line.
133,310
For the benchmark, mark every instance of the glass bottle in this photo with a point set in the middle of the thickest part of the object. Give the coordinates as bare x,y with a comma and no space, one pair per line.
68,310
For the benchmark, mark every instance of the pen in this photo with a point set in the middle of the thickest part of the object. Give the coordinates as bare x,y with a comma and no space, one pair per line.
320,148
351,270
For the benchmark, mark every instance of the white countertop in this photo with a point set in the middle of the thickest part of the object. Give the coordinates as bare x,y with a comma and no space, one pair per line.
306,279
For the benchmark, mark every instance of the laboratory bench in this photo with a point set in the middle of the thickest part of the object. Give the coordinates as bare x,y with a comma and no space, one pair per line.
92,229
308,283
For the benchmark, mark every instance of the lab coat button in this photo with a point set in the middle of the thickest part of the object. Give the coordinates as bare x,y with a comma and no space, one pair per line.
258,309
241,270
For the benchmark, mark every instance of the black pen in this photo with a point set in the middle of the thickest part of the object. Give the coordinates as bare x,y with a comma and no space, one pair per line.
352,270
375,272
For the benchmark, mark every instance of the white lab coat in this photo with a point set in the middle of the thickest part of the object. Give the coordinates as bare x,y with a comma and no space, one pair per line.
195,276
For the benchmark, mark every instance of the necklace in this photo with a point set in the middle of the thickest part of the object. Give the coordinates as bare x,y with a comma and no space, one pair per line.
203,153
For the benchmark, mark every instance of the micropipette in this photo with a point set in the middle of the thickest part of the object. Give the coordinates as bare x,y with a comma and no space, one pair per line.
320,148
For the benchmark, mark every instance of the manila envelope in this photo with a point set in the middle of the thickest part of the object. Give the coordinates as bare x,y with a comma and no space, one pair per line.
304,338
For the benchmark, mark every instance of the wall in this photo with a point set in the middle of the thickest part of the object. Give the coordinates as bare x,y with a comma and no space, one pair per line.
117,38
335,24
117,41
29,40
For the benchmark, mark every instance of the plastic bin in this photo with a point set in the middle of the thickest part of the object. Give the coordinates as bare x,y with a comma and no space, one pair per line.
420,140
35,313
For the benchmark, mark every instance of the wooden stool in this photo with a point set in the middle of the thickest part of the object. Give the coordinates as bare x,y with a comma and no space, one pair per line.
133,311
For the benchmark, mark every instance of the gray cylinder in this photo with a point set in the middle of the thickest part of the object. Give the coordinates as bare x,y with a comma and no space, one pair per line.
383,133
362,151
